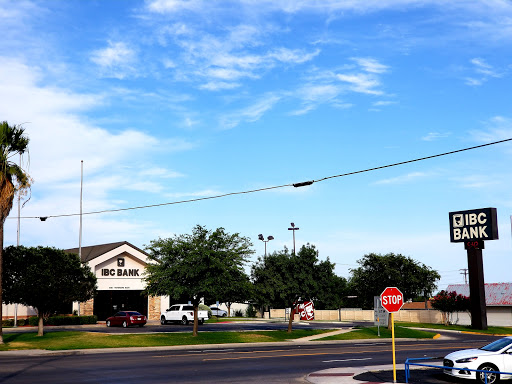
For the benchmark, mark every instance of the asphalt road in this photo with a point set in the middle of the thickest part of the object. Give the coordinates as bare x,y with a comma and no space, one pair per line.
274,363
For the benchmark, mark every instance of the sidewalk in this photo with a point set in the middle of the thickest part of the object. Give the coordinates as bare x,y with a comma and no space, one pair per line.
377,374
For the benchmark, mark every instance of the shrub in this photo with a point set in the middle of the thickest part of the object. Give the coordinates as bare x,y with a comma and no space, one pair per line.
203,307
10,322
450,302
250,311
64,320
239,313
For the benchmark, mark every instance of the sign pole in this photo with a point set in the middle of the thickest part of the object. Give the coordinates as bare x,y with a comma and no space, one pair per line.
472,228
393,343
392,301
477,288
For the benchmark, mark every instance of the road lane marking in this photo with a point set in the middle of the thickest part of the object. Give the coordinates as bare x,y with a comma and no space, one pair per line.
334,361
333,351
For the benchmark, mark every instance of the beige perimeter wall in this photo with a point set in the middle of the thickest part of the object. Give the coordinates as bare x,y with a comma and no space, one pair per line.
414,316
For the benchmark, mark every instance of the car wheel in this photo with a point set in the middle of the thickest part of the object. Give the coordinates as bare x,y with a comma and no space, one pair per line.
125,324
492,377
162,320
108,323
201,321
224,314
184,320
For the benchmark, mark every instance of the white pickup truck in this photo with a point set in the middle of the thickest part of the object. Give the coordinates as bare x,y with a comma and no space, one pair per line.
182,313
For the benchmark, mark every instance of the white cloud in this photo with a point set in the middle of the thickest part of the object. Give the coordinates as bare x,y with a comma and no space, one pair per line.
60,138
483,72
251,113
496,128
171,6
219,85
371,65
296,56
431,136
384,103
116,60
361,83
404,178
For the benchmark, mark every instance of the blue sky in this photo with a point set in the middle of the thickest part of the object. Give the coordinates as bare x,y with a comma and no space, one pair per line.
170,100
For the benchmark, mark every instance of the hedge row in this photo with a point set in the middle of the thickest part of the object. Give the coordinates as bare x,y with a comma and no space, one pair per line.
53,320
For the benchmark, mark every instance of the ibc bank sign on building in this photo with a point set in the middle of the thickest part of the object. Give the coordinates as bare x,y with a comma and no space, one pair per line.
474,225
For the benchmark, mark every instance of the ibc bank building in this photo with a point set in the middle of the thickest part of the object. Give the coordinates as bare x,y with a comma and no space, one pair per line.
119,268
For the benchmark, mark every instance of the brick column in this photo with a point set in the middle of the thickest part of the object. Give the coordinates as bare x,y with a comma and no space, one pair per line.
87,308
153,307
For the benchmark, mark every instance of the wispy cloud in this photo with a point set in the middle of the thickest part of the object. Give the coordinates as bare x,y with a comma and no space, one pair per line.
371,65
172,6
59,136
413,176
251,113
384,103
432,136
482,72
116,60
496,128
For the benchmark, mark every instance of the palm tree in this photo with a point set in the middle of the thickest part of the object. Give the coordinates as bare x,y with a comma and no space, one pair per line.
12,179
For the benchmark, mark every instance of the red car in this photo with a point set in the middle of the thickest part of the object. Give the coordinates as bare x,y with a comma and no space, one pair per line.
127,318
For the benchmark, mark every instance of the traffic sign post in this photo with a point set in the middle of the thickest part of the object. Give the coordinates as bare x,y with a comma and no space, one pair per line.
392,300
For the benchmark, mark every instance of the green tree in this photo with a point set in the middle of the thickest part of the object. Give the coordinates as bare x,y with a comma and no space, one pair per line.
202,264
332,289
44,278
449,302
376,272
281,279
238,290
12,179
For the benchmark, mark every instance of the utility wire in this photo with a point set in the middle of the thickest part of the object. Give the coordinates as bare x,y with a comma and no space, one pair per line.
296,185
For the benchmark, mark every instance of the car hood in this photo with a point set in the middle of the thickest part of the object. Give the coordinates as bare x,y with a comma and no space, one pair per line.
468,353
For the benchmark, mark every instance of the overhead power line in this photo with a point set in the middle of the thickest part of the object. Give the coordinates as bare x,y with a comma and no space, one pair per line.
296,185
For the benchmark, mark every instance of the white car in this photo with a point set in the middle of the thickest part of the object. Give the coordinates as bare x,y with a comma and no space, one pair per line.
216,311
494,357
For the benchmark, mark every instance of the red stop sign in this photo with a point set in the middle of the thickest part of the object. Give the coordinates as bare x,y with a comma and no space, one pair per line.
392,299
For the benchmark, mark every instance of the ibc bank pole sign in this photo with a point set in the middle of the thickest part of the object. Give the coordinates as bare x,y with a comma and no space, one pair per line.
474,225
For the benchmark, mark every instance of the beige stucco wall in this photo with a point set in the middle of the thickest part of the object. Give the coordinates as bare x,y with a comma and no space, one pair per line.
413,316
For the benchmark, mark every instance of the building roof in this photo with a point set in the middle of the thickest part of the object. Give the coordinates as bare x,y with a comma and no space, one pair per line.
417,305
496,294
94,251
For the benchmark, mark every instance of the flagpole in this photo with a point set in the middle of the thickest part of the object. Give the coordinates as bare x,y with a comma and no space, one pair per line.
80,230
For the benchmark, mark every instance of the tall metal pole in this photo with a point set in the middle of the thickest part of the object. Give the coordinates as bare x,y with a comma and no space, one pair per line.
18,244
81,193
80,230
293,229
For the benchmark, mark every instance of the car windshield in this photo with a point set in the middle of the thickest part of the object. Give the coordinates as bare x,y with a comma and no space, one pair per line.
497,345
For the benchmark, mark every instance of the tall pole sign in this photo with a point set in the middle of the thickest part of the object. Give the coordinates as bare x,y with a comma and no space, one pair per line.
472,228
392,300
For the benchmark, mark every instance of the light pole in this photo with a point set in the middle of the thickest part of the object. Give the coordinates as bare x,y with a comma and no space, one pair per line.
260,237
293,229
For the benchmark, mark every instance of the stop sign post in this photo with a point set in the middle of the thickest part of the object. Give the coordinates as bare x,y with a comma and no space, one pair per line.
392,300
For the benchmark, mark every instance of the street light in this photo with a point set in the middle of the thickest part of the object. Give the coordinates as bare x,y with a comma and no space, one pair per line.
260,237
293,229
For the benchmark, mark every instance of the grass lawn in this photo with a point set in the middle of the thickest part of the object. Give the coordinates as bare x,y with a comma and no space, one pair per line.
86,340
464,328
372,333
